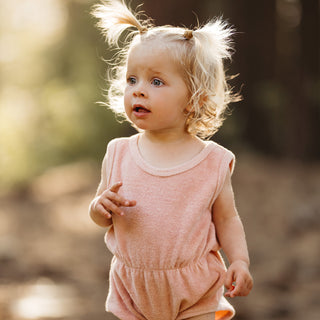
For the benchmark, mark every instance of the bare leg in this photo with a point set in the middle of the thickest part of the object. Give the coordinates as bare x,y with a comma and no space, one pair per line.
207,316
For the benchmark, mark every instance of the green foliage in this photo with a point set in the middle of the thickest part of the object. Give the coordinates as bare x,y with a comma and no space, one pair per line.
48,110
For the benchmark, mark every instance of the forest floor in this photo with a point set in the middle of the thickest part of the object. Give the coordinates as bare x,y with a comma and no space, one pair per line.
54,264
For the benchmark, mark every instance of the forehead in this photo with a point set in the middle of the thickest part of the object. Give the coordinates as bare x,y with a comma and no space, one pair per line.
153,55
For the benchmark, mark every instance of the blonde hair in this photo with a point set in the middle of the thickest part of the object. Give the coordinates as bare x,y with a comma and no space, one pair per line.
200,53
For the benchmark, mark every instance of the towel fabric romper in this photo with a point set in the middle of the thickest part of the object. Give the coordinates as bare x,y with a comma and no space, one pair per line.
166,264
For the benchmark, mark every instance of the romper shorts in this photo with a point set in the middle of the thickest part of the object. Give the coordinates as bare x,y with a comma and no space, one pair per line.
170,294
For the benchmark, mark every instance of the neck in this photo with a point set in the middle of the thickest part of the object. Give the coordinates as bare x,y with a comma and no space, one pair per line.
168,150
169,137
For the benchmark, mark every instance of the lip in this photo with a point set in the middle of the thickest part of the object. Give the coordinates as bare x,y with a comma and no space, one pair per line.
140,110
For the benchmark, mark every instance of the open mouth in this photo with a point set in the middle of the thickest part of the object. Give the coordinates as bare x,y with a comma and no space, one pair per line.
140,109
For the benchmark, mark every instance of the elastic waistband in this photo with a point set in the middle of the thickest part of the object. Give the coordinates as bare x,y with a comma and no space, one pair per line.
151,268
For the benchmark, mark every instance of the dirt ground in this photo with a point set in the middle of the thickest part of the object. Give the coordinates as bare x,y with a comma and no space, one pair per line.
54,265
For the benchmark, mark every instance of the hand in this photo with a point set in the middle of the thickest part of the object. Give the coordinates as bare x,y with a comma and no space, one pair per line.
238,273
109,202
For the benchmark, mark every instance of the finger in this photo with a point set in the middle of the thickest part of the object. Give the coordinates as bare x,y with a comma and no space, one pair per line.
230,291
115,198
118,199
235,292
242,288
115,187
111,207
248,284
229,279
130,203
102,211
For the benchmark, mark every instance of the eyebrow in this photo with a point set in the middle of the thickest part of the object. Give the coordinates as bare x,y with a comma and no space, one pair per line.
152,70
158,73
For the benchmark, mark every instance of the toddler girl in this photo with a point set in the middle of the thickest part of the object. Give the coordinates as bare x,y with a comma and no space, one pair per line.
165,193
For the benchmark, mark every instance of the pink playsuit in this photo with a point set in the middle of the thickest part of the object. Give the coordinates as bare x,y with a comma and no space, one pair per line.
166,264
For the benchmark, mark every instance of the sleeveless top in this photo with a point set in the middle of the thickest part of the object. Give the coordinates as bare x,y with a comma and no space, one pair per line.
171,225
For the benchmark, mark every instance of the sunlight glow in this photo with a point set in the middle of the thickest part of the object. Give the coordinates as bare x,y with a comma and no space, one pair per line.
44,299
28,30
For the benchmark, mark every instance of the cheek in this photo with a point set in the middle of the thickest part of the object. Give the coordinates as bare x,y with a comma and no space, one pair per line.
127,103
126,97
184,104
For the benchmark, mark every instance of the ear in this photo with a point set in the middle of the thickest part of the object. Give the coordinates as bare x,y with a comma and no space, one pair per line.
203,99
189,108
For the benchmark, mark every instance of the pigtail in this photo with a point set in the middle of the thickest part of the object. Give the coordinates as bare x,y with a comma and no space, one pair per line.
211,94
115,17
216,36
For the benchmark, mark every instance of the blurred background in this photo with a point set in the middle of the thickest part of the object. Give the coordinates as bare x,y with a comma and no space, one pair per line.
53,135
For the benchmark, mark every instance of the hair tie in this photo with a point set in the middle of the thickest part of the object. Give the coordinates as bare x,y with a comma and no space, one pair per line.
188,34
143,30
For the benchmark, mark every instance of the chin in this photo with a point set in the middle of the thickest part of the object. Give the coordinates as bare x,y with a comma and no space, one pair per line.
139,127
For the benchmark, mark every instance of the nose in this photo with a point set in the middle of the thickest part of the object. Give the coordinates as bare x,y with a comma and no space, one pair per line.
139,91
138,94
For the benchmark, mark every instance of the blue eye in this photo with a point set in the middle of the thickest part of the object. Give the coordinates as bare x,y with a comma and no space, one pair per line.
157,82
131,80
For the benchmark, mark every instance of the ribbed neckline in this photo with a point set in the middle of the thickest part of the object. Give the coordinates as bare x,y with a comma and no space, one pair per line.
145,166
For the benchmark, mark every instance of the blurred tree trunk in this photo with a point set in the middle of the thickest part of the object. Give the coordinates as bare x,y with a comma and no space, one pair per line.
310,78
298,71
259,50
279,56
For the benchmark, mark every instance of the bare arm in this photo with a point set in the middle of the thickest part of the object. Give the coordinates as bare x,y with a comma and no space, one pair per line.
107,201
232,239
